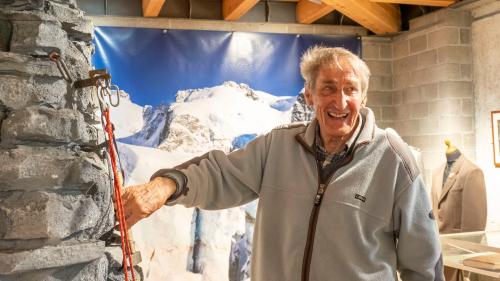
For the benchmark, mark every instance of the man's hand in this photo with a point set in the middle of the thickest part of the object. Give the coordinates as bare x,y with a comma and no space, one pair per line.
140,201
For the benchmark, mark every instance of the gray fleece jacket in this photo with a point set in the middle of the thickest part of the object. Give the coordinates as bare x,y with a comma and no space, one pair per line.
372,220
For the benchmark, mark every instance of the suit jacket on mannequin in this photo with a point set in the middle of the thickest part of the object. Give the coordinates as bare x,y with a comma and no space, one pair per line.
461,205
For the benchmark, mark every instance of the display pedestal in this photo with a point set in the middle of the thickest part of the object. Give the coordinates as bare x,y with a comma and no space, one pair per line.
459,246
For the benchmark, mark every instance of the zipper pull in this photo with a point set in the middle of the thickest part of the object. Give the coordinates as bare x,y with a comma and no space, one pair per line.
319,194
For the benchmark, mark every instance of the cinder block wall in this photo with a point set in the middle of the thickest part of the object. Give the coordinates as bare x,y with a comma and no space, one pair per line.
433,97
377,53
486,57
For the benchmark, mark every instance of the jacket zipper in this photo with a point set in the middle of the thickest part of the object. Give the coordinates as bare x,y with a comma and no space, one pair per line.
313,220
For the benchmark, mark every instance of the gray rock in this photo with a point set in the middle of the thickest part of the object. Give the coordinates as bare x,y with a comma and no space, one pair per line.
20,5
85,100
5,33
51,168
86,48
73,21
32,215
46,125
95,270
17,92
23,65
37,37
115,271
22,245
53,257
76,62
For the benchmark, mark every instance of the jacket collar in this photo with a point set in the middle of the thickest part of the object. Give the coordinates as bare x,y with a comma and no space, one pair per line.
367,133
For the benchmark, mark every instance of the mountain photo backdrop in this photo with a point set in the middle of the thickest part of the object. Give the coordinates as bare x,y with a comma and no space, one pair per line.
186,92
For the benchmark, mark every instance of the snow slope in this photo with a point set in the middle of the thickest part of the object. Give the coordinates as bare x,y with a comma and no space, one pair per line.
222,117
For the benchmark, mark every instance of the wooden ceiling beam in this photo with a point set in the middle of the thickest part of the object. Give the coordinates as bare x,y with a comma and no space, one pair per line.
151,8
437,3
308,12
235,9
379,18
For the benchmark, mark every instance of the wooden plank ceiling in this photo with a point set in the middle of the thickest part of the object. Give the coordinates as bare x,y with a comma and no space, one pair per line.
378,16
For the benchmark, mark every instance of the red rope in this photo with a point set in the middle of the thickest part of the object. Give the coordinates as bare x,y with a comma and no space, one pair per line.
126,248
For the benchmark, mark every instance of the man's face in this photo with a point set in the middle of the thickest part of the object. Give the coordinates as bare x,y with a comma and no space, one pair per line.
336,98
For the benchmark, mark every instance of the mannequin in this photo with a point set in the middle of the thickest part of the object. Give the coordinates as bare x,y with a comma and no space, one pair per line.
458,198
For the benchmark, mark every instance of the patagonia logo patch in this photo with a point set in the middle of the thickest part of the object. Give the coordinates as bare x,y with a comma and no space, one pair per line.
360,197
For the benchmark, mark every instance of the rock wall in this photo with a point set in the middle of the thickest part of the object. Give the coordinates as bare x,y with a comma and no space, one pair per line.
55,192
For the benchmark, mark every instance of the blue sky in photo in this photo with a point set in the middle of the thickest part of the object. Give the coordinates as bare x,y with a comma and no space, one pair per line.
153,64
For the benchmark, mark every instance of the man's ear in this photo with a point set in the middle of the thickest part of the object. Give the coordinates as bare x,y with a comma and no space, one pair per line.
308,96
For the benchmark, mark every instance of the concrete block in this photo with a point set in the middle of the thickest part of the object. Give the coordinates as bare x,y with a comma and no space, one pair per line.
401,48
457,18
409,127
50,257
467,107
370,50
429,92
402,80
443,72
17,64
456,124
443,37
379,67
405,64
411,95
380,98
469,140
449,107
465,36
385,124
419,110
455,54
466,72
388,113
62,168
402,112
32,215
397,97
422,142
455,89
425,20
49,125
17,92
427,126
427,59
418,44
380,83
386,51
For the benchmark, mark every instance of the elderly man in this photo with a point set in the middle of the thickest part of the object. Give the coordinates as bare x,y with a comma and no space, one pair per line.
339,198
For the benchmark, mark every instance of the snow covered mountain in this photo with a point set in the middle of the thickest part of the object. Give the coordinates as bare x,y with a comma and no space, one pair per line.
189,244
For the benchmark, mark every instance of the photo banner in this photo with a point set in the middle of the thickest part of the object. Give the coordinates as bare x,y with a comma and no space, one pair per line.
184,93
151,65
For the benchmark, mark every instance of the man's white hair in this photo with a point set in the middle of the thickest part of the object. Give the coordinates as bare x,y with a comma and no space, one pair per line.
318,56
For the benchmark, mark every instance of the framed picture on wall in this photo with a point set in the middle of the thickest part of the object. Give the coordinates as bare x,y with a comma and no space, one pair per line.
495,129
